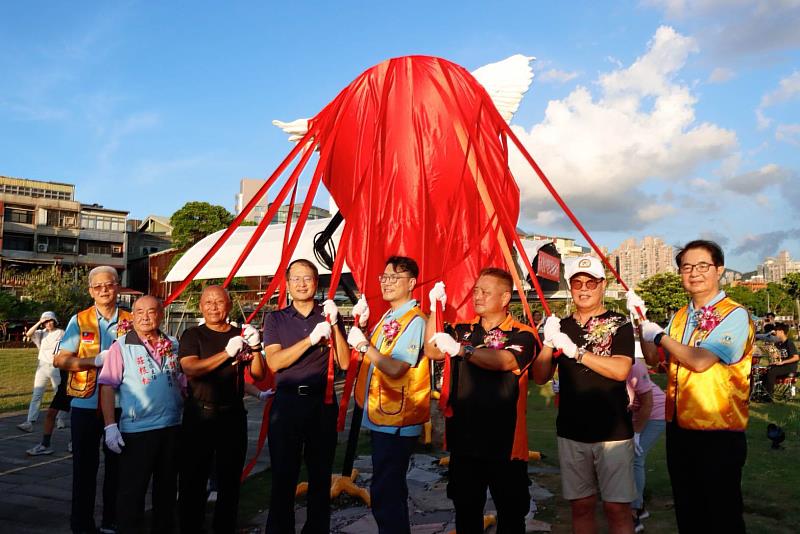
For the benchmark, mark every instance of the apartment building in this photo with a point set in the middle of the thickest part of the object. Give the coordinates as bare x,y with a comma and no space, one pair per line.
42,224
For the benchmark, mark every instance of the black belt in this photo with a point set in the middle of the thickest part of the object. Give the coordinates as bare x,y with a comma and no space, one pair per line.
302,390
216,407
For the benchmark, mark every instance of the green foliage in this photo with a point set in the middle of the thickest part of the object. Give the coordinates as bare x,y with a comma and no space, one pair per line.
195,220
791,284
774,298
64,292
663,294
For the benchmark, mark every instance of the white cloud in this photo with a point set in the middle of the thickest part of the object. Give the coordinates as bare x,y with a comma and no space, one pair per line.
721,75
788,89
599,151
654,212
556,75
788,133
762,121
753,182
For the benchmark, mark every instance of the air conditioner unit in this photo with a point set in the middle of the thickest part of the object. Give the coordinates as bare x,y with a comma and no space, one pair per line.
41,247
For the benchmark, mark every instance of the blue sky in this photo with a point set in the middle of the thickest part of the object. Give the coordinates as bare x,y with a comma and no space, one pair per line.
660,117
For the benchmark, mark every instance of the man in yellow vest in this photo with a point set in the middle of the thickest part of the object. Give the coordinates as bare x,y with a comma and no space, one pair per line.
487,434
83,348
393,388
709,343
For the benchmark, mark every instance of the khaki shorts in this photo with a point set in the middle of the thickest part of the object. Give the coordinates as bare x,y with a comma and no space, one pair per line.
587,467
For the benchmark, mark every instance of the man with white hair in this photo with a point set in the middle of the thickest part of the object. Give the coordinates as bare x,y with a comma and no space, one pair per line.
87,338
46,340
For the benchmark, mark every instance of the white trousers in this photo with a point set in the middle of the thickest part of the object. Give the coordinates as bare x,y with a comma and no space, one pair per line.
45,373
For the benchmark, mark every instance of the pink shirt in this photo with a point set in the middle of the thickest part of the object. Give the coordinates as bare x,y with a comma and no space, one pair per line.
638,384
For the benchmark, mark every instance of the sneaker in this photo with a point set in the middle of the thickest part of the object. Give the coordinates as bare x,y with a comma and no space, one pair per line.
637,525
69,447
642,513
107,530
212,496
61,424
27,426
39,450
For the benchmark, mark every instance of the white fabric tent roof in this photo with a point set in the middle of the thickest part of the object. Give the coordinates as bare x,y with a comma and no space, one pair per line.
263,259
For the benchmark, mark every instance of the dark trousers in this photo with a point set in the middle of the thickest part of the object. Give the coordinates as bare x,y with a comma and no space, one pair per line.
87,436
301,427
209,438
506,480
705,468
153,453
775,372
389,489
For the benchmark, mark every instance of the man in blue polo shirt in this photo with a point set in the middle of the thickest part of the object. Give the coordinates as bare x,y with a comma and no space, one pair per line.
393,387
301,424
83,348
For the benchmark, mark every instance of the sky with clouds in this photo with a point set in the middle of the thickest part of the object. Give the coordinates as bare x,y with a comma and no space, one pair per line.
673,118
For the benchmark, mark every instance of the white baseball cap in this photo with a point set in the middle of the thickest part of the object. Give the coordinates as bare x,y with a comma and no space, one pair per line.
48,316
590,265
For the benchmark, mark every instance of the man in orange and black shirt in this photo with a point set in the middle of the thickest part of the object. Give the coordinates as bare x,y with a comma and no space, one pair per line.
486,434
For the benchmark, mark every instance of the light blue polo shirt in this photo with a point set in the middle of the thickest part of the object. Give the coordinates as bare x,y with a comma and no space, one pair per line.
727,341
407,350
71,341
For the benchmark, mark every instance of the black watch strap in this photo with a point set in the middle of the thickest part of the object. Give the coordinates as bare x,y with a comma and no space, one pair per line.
657,339
469,350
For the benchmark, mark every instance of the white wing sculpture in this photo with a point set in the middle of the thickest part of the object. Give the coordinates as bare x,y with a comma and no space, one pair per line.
506,81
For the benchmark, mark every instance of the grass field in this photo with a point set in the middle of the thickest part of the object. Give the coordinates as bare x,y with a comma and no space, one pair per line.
771,480
17,367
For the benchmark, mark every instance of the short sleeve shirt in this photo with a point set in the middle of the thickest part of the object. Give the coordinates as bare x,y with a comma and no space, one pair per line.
285,328
728,339
593,408
71,341
786,348
484,402
406,349
224,386
47,341
638,384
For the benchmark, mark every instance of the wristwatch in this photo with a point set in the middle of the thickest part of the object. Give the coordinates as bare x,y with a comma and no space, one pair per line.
579,355
256,348
363,348
469,350
657,339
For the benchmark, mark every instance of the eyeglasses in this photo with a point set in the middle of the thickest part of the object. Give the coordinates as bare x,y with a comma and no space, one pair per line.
108,286
297,279
701,267
579,284
390,278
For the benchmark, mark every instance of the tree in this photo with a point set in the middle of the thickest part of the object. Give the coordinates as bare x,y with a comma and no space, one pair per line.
663,294
196,220
791,284
62,291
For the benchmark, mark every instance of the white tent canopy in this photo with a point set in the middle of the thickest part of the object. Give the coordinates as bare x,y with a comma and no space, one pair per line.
263,259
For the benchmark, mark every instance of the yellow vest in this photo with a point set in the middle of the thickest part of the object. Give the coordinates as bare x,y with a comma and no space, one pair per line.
81,384
718,398
402,401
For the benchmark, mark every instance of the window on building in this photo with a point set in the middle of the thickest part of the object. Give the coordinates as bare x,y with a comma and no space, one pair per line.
62,218
102,222
18,242
18,215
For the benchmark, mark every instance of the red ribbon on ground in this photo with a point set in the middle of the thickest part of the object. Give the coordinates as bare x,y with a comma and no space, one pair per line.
262,438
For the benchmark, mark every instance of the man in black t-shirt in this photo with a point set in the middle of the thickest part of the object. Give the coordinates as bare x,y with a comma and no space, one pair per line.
594,427
486,434
214,431
789,357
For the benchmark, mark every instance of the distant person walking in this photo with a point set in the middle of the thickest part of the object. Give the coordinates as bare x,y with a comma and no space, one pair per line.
46,340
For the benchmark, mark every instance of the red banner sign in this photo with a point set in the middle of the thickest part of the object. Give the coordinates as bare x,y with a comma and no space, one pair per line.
548,267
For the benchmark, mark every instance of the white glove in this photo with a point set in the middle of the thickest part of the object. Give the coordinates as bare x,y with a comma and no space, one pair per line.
634,301
114,438
251,336
356,337
100,358
637,448
562,342
362,310
650,330
330,309
437,294
320,332
446,343
264,395
235,346
552,326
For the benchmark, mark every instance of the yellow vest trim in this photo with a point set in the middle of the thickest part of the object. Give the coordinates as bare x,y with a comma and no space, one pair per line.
81,384
402,401
717,399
